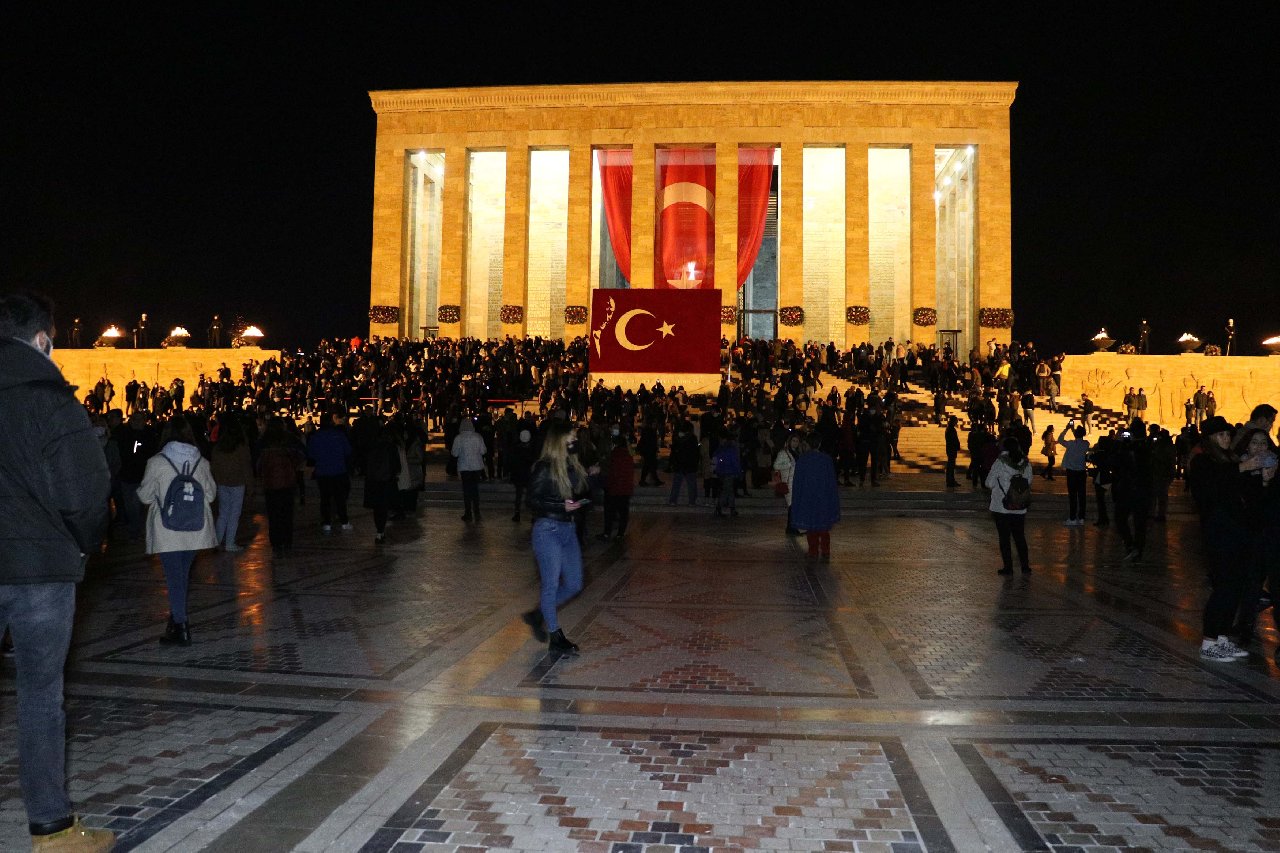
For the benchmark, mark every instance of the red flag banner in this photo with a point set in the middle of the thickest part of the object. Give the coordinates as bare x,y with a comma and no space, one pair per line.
655,331
686,255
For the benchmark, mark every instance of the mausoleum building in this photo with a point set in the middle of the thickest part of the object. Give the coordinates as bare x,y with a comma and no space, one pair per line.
825,211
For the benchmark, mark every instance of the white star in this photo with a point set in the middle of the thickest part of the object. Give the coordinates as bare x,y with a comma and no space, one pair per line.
668,330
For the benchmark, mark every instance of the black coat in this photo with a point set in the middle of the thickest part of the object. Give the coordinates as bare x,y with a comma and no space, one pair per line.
53,474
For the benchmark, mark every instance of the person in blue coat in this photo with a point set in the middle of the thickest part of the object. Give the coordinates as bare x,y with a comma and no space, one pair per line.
815,502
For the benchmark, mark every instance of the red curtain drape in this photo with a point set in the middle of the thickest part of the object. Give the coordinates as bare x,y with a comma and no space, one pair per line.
615,184
686,187
755,170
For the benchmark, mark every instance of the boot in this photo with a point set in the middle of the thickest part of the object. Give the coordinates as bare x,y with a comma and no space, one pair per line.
76,838
562,645
176,633
534,620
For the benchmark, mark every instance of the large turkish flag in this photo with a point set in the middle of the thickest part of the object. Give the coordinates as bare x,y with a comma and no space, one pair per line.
655,331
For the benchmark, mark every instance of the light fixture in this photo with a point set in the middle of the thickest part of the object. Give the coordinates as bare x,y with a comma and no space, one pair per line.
1187,336
969,150
179,332
1102,333
937,195
251,332
946,182
112,332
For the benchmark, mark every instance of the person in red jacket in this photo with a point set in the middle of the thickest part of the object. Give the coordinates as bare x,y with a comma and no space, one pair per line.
619,485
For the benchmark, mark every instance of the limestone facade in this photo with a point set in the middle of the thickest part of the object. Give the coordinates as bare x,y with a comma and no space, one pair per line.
857,116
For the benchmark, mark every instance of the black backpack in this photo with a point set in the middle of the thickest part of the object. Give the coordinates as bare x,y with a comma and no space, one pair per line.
1018,495
183,507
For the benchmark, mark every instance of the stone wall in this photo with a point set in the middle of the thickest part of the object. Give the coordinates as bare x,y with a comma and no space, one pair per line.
84,367
1238,382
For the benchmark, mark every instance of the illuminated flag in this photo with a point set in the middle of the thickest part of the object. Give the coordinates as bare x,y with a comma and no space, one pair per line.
655,331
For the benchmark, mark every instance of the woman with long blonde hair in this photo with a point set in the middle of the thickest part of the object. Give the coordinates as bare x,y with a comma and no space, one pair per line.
556,481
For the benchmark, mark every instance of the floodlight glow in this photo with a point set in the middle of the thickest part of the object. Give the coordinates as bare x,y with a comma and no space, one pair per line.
1187,336
251,332
112,332
179,332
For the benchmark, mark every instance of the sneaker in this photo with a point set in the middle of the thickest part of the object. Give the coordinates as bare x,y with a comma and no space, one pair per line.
76,838
378,538
1216,653
1070,522
1231,648
233,549
347,528
326,529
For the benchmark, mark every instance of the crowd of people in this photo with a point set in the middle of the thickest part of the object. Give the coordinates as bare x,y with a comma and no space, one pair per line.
174,470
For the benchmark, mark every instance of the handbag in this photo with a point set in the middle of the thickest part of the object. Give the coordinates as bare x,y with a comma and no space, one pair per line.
780,489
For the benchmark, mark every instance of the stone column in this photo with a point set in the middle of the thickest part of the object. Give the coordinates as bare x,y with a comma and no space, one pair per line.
791,233
385,269
924,240
642,214
578,259
453,237
857,265
995,265
515,239
726,216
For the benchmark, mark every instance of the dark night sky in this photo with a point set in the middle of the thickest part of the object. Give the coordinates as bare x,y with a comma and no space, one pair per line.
221,160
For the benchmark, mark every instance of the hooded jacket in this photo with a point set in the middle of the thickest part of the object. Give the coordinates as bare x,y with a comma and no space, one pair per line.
53,474
161,469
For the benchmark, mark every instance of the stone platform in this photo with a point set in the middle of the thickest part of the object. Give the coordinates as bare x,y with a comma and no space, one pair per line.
731,694
84,367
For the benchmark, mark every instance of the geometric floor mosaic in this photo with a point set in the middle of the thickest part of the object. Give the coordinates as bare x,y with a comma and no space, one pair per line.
730,693
1049,657
135,766
618,791
1076,795
709,651
304,633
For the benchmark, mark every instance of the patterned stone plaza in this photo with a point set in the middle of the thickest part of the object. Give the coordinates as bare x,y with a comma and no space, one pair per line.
731,695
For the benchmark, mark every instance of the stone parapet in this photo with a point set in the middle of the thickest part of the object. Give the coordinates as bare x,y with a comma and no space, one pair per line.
84,367
1238,382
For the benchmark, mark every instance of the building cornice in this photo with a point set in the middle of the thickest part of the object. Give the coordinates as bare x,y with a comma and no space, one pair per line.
706,94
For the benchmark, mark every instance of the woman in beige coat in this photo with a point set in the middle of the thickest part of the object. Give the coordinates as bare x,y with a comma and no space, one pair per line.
177,549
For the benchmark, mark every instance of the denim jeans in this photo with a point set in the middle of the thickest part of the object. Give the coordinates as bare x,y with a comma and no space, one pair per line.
177,577
39,617
555,546
677,479
230,502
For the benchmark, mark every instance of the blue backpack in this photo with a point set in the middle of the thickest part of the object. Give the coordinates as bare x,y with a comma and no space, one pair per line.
183,506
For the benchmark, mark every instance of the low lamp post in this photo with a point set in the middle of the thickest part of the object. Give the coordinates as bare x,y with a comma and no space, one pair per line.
1188,343
1102,341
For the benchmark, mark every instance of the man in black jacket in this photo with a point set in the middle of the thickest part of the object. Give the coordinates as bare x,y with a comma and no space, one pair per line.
953,450
53,486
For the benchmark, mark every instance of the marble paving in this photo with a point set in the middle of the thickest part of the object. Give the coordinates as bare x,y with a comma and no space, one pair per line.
731,695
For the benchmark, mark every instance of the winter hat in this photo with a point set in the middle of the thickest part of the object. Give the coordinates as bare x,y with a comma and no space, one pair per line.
1215,424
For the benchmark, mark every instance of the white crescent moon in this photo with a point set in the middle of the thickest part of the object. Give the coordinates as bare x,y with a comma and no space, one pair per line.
688,192
620,330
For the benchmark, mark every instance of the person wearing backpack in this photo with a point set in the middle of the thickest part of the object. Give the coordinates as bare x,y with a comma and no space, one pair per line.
178,489
1010,483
